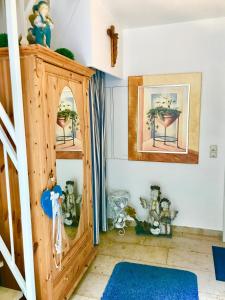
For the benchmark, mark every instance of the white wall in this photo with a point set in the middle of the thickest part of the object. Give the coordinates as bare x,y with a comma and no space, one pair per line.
2,17
82,26
195,190
101,20
70,169
72,28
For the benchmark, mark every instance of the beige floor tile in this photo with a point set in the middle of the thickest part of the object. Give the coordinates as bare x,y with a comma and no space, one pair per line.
142,262
207,284
181,242
204,296
9,294
212,239
129,237
197,231
92,286
77,297
133,251
104,264
150,254
190,260
184,251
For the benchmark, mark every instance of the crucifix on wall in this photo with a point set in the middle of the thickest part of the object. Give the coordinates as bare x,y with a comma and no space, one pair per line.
114,44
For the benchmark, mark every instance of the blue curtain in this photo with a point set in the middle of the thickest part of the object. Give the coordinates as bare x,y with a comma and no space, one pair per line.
97,117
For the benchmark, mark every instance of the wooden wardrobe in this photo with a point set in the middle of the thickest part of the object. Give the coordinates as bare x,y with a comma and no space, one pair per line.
44,75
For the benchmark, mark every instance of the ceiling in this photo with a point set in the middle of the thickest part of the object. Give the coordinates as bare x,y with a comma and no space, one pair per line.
142,13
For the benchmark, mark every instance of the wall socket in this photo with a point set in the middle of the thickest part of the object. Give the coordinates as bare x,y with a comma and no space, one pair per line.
213,151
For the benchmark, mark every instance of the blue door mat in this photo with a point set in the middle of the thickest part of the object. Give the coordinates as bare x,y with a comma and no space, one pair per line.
141,282
219,262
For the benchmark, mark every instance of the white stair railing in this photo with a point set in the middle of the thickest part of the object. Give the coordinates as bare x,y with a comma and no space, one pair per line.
19,159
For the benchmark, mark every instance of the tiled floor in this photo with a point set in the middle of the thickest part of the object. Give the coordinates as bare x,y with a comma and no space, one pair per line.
184,251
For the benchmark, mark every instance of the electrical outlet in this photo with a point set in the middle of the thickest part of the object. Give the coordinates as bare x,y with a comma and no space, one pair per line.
213,151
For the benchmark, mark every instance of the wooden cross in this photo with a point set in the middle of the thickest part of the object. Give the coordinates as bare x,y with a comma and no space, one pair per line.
114,44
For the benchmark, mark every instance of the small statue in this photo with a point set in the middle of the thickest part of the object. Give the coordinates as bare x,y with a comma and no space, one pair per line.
153,204
160,216
42,25
69,204
166,216
155,198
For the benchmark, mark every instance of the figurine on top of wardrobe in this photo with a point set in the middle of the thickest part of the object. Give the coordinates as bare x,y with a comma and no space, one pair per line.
42,25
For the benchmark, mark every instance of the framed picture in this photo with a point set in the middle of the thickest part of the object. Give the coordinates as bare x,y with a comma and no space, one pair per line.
164,117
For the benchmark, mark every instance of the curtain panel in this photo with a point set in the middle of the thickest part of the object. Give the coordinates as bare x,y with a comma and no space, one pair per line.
98,151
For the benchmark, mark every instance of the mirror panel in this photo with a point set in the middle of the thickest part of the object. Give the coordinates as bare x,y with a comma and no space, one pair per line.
68,134
69,171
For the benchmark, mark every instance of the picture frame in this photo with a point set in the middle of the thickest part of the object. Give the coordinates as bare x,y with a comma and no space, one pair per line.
164,118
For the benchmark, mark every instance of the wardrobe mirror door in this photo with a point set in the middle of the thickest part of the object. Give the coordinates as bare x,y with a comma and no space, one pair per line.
70,171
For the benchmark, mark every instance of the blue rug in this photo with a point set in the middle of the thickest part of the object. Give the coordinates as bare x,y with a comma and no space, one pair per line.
140,282
219,262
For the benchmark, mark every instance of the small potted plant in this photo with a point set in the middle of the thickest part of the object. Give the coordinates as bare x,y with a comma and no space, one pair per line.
3,40
66,114
66,52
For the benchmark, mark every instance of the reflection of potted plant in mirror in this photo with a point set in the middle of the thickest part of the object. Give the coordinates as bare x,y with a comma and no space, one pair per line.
163,113
62,117
64,114
75,122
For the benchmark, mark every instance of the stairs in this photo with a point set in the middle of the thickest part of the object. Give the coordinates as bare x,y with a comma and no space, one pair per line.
9,294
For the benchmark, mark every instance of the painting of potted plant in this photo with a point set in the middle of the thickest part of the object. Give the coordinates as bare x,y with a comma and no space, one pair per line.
163,119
